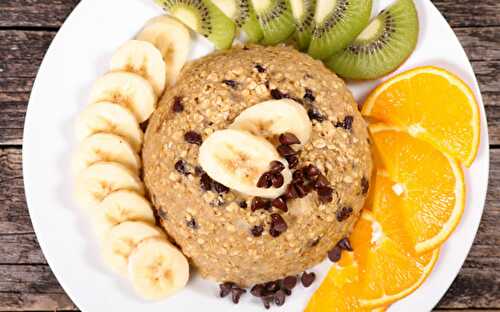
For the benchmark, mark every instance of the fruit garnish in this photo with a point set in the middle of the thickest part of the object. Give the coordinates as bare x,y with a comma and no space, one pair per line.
303,12
433,105
203,17
382,46
337,23
430,185
243,14
276,20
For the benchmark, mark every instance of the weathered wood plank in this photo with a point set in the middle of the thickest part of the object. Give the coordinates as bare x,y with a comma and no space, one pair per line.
20,249
35,302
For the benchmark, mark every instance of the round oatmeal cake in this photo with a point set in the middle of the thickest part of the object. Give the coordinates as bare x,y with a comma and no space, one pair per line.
216,227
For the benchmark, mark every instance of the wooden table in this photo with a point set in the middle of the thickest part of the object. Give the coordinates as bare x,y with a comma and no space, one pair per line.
26,29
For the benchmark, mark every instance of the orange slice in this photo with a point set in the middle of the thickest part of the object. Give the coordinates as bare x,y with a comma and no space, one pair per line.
430,185
432,104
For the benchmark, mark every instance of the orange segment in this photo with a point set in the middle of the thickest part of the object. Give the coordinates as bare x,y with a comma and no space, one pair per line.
432,104
431,185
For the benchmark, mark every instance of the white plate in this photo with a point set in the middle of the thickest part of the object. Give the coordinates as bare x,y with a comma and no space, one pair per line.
79,54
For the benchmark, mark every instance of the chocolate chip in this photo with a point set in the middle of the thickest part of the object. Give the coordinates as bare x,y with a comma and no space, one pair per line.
365,185
277,94
289,282
266,301
335,254
280,203
257,290
291,192
298,176
259,68
193,137
236,293
243,204
277,180
219,188
206,182
279,297
315,242
312,172
343,213
260,203
314,114
345,244
278,225
265,180
225,289
181,167
346,123
198,171
309,96
177,107
218,202
231,83
307,278
288,138
301,190
293,161
321,181
257,230
192,224
287,292
272,287
325,194
276,166
286,151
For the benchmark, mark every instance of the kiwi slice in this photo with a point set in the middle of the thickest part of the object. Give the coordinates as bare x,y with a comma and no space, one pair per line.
337,23
203,17
303,12
242,13
382,46
275,19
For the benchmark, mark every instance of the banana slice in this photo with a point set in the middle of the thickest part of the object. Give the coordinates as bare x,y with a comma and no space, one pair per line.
144,59
272,118
109,118
105,147
237,159
173,39
96,182
122,239
157,269
127,89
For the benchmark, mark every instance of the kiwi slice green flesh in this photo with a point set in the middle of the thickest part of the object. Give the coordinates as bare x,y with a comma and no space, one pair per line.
337,23
303,12
242,13
275,19
205,18
382,47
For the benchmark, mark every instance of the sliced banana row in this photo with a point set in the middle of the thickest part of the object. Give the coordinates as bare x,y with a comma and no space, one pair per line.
107,164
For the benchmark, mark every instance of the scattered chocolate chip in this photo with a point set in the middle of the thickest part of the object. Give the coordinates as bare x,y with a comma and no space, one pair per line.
277,94
257,290
293,161
298,176
321,181
231,83
198,171
365,185
301,190
279,297
335,254
219,188
346,123
193,137
276,166
311,172
290,192
192,224
343,213
272,287
307,278
243,204
309,96
236,293
181,167
286,151
288,292
177,107
289,282
259,68
288,138
206,182
277,180
260,203
266,301
257,230
325,194
246,48
280,203
265,180
345,244
278,225
225,289
315,114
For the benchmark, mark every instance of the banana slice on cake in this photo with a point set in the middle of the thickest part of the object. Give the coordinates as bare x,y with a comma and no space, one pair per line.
96,182
272,118
122,239
157,269
127,89
237,159
112,118
144,59
173,39
105,147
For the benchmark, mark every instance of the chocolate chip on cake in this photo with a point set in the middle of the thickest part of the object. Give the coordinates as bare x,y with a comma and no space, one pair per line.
231,83
257,230
345,244
193,137
290,192
365,185
177,107
293,161
257,290
343,213
280,297
277,180
243,204
277,94
289,282
346,123
315,114
278,225
334,254
276,166
236,293
309,95
272,287
192,224
182,167
288,138
280,203
206,182
225,289
286,151
219,188
311,172
260,203
260,68
325,194
307,279
266,301
265,180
